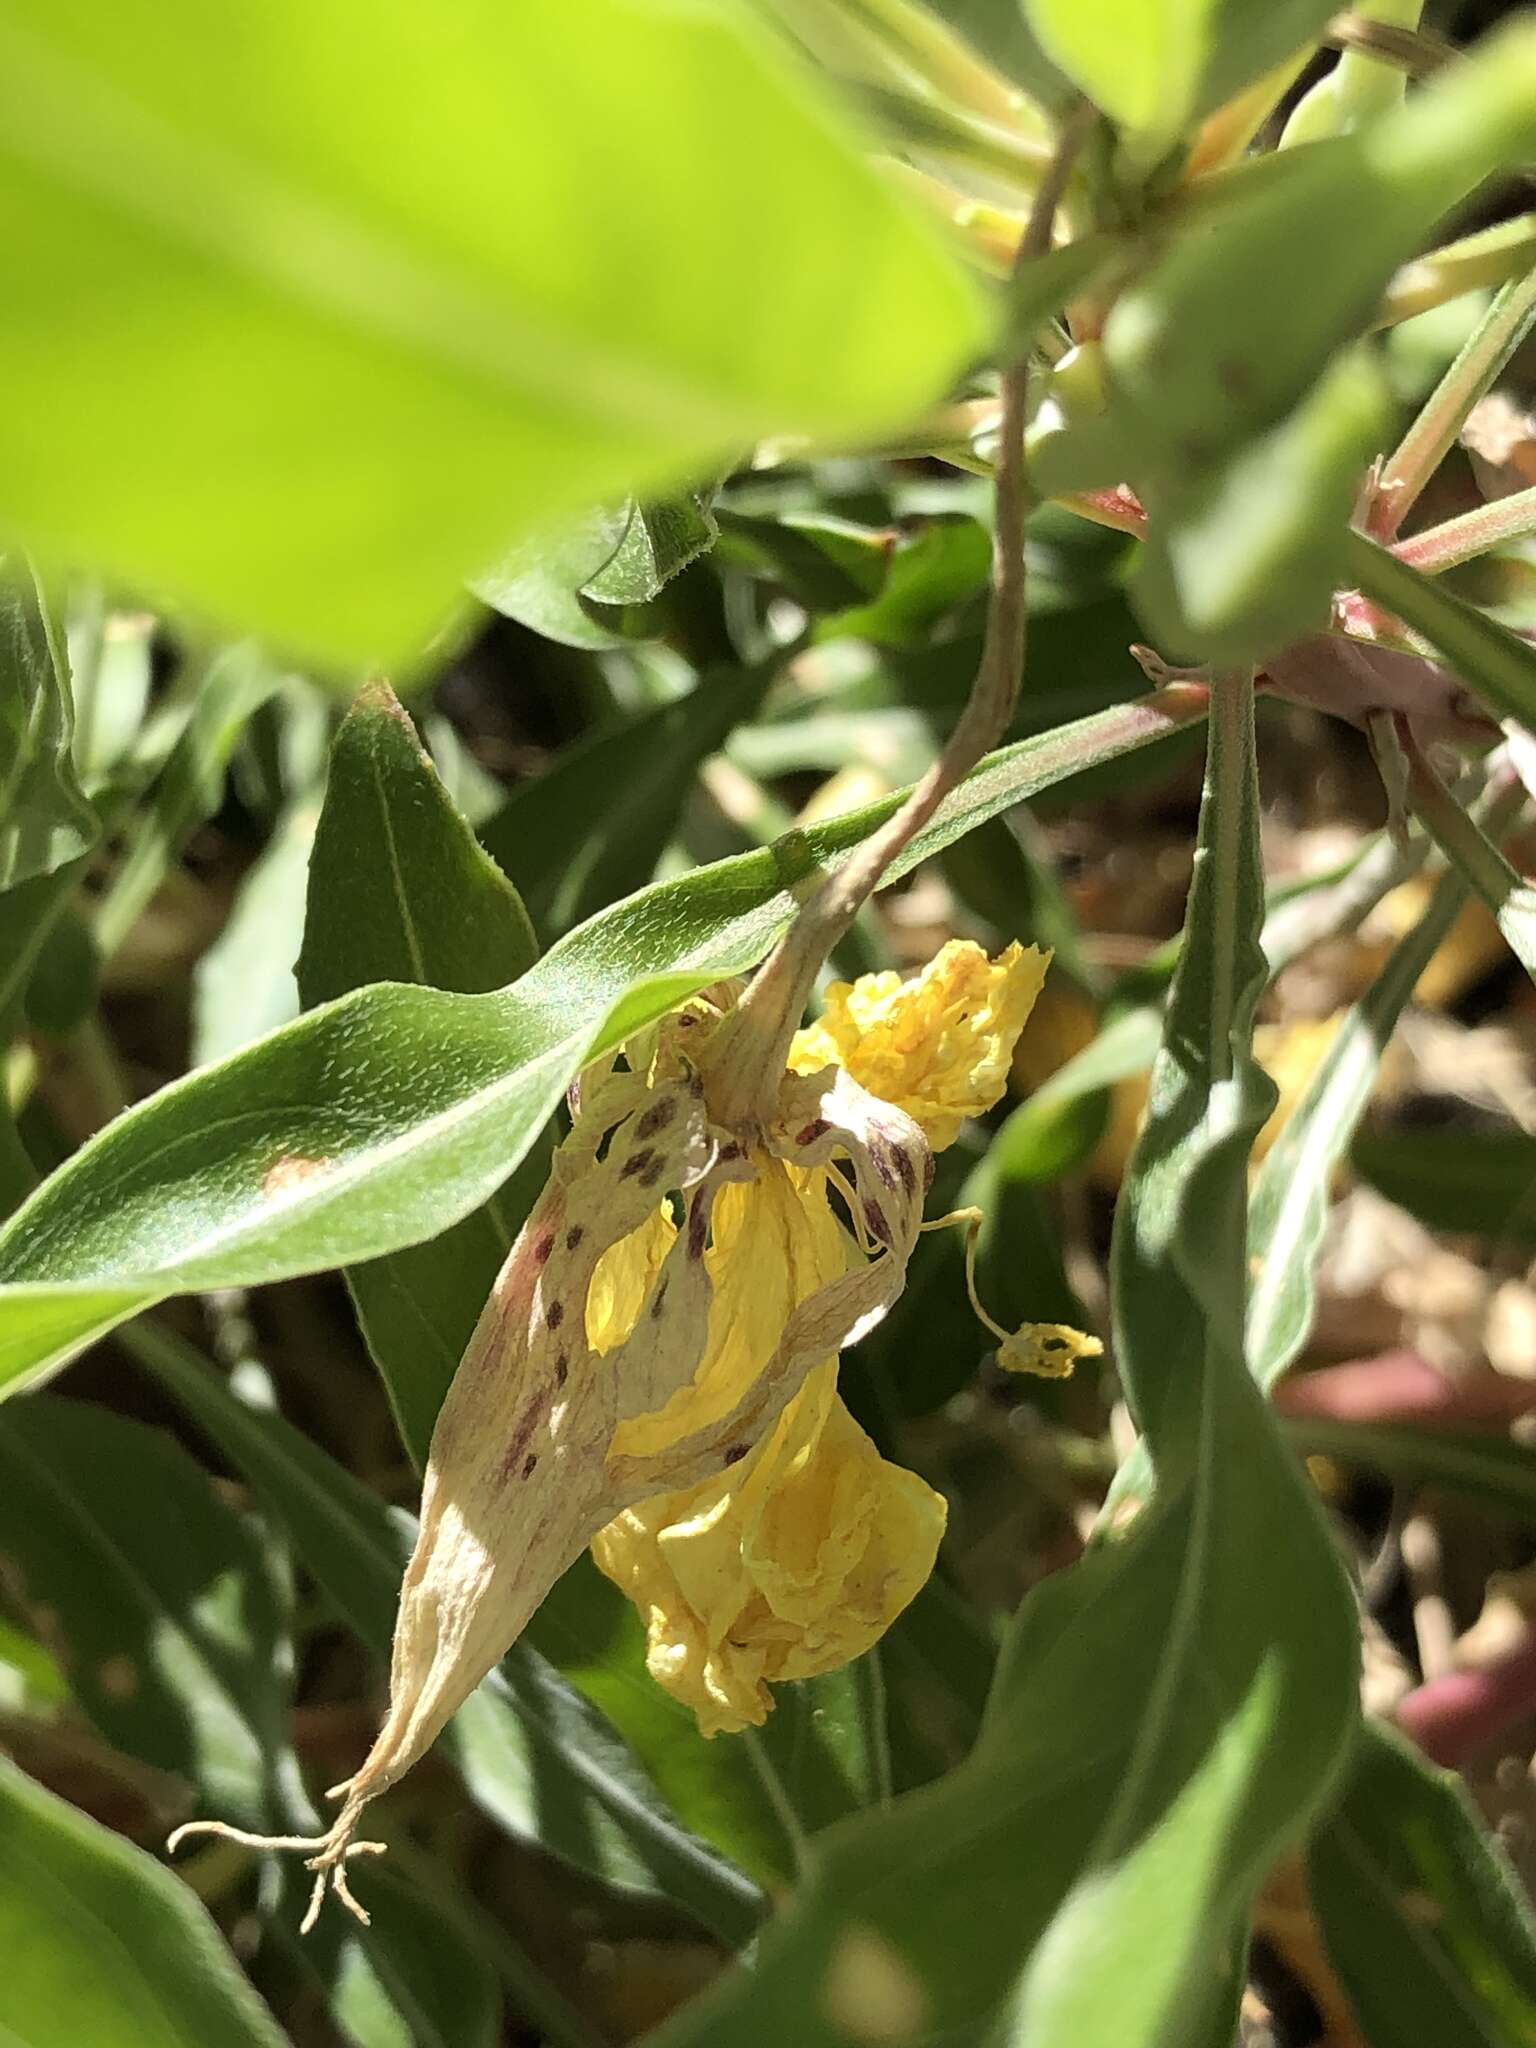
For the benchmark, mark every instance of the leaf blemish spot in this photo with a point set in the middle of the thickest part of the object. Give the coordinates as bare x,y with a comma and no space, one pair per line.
292,1170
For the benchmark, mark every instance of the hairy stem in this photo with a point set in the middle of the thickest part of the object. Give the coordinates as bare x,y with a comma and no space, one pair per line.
756,1037
1470,534
1427,442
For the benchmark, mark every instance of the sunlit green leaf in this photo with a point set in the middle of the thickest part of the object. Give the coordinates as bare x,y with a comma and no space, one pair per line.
443,287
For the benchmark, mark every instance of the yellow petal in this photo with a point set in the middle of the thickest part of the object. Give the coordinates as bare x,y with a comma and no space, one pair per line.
623,1279
939,1045
775,1243
790,1564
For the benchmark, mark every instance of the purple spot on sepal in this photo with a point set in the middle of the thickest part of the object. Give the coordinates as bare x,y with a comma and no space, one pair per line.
656,1117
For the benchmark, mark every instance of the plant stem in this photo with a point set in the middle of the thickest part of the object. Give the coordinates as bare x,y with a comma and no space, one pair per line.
1472,533
1489,257
1410,49
944,61
755,1041
1457,834
1422,449
1494,663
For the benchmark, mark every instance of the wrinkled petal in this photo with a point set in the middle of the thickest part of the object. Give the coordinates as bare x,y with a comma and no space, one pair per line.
774,1243
937,1046
790,1564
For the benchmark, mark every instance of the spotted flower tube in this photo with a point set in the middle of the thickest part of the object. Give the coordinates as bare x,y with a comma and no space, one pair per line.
795,1560
654,1372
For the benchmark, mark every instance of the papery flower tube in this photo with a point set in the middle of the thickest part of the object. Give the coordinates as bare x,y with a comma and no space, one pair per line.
797,1559
655,1369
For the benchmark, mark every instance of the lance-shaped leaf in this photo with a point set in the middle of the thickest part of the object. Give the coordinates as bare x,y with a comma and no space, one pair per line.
1243,558
383,1118
1427,1926
1294,1185
1477,1180
45,820
594,825
167,1617
102,1944
440,265
1155,1732
400,891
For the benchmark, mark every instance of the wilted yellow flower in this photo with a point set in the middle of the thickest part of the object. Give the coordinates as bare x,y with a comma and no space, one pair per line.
939,1045
798,1560
655,1369
791,1564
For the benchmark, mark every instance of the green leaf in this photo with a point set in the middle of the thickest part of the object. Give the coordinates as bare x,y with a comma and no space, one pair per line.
1157,1731
239,680
29,914
1252,1704
1426,1924
595,1638
175,1636
827,1743
414,1980
532,1753
945,563
1487,656
429,907
1154,65
45,819
1241,559
401,891
1217,343
65,982
447,272
658,542
103,1945
243,985
823,562
1289,1209
539,581
594,825
387,1116
1481,1181
921,1911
